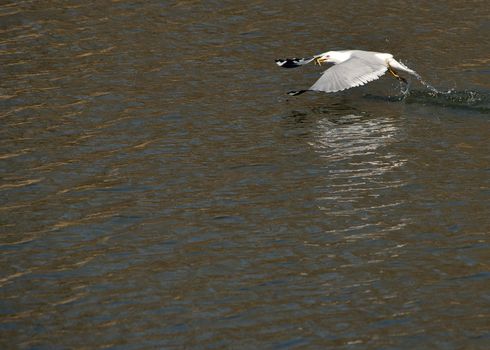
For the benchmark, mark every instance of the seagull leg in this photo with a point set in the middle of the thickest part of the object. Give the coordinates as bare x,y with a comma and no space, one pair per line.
320,60
396,75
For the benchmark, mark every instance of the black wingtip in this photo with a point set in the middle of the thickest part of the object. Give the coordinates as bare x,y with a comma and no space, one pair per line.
288,62
296,93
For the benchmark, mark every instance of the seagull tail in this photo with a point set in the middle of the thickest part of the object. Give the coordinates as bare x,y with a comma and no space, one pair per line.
400,66
293,62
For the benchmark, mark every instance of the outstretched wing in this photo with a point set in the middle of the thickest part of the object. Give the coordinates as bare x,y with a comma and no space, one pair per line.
353,72
293,62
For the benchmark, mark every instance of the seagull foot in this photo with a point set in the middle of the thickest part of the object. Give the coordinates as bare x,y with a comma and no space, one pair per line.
396,75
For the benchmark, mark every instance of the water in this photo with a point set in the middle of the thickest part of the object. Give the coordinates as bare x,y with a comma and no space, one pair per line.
159,189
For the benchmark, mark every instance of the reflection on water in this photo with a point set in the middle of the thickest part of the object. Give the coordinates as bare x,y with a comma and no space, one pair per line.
352,135
356,154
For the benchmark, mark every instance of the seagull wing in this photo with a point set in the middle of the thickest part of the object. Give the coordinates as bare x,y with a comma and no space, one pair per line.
353,72
293,62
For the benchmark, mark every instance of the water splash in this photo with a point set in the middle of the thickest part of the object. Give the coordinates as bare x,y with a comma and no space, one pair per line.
467,99
405,86
458,99
428,86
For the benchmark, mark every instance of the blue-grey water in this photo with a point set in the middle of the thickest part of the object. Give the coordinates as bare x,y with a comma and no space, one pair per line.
159,190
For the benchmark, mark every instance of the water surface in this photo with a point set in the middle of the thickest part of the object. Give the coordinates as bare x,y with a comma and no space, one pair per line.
159,189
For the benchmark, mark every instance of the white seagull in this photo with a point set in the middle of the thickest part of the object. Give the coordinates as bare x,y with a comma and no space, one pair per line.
351,68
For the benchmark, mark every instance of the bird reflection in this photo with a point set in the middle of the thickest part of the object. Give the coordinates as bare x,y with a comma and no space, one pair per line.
359,140
361,172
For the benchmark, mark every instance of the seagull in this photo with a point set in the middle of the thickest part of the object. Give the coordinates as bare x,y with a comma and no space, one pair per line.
351,68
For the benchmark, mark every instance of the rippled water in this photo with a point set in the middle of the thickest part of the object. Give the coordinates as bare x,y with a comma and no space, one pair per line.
159,189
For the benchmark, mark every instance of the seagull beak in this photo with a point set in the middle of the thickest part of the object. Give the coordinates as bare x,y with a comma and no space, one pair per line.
320,60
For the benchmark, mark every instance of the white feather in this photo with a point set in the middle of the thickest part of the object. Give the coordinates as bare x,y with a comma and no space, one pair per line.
351,68
359,69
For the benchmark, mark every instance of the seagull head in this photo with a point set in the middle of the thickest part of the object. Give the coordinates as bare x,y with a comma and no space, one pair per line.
323,58
332,57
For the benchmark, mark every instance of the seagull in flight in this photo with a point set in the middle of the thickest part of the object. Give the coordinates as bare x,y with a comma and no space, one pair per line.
351,68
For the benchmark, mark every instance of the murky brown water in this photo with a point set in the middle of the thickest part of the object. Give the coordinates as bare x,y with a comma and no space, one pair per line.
159,190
